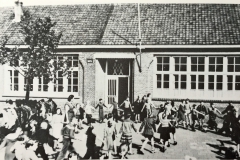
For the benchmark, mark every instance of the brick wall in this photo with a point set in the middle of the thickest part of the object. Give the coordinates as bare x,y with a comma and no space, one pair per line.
143,81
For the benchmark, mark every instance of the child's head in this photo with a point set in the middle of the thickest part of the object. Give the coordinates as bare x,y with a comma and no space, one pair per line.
109,124
194,106
110,115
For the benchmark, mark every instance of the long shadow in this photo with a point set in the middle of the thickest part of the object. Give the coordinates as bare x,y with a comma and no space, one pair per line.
226,142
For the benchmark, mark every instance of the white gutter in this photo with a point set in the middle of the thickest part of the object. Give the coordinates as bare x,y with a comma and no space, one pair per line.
134,46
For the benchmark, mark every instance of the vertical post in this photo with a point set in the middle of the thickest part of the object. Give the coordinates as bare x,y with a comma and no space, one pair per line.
140,40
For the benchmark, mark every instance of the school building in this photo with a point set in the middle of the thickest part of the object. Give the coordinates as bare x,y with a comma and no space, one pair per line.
187,51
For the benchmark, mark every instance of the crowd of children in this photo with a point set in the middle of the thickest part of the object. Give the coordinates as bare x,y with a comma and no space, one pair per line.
50,131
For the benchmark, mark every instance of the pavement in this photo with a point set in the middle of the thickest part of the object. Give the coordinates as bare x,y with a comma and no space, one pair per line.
198,144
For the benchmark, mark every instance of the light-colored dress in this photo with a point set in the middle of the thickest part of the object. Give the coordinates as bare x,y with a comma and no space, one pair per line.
109,134
57,125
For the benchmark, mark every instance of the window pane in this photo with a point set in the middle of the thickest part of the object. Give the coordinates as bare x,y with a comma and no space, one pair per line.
230,78
15,73
230,60
201,78
210,78
237,79
219,78
193,60
200,85
183,85
60,88
176,59
176,67
166,77
75,73
45,87
230,86
159,59
201,60
210,85
159,85
75,88
60,81
237,68
219,86
219,68
237,60
212,68
159,67
166,85
219,60
15,80
69,81
211,60
159,77
75,81
193,78
166,60
166,67
230,68
237,86
176,85
183,60
194,68
183,67
193,85
69,89
200,67
183,78
176,77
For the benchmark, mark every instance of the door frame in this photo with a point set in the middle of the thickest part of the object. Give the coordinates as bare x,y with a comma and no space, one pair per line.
117,81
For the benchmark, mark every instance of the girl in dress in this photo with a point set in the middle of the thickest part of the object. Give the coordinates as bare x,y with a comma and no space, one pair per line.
126,138
137,109
57,124
69,113
109,137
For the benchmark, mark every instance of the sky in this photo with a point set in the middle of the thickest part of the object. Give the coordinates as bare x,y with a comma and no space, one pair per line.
4,3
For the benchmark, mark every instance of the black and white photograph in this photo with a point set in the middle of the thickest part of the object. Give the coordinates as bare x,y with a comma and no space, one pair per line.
119,79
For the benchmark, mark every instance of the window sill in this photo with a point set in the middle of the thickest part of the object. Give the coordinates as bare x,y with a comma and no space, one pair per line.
58,95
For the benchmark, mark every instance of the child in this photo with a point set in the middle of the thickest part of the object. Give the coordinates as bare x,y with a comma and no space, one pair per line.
195,113
109,136
29,153
148,133
126,138
212,111
111,119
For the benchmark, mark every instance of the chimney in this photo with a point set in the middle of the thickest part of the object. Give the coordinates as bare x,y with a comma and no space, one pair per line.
18,11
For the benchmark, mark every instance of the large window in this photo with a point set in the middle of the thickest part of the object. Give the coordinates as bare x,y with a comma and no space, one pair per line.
30,82
180,81
162,63
215,64
72,81
197,64
162,81
180,63
14,78
58,82
197,79
233,64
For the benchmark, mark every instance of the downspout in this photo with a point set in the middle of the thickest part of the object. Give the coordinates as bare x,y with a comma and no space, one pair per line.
140,39
82,80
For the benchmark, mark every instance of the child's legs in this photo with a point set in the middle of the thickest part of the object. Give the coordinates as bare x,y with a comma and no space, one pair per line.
115,146
144,143
152,142
130,147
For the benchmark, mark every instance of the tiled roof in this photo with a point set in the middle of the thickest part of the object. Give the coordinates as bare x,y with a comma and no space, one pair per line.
81,24
161,24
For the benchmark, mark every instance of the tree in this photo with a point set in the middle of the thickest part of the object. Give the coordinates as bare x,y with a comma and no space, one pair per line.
39,59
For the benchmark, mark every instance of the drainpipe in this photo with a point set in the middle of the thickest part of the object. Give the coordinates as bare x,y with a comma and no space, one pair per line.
140,39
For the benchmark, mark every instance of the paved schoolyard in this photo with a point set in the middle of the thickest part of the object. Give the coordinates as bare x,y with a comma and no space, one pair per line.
190,144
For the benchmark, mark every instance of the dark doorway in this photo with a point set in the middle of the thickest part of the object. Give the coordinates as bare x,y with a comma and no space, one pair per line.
122,89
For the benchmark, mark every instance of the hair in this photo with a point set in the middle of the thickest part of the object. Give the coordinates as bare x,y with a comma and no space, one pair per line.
194,105
127,97
10,101
73,153
109,123
172,103
211,103
49,99
42,100
100,99
70,97
110,115
28,144
187,99
149,94
183,100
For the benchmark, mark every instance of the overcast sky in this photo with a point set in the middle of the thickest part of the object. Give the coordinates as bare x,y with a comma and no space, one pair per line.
65,2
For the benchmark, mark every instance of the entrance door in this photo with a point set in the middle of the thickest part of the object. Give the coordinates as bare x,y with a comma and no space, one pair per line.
123,89
112,89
